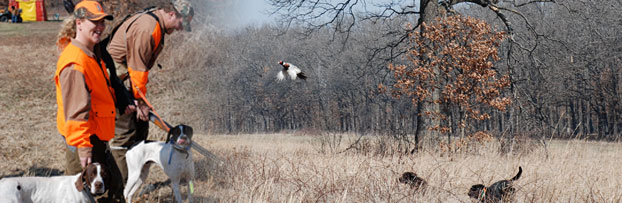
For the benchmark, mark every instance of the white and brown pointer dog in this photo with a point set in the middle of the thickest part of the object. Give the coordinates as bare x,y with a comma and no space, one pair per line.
173,156
75,188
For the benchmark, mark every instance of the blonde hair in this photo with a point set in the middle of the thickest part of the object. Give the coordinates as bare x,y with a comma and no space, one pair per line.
67,32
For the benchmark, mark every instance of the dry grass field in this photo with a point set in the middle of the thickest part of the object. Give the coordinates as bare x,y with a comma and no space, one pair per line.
289,167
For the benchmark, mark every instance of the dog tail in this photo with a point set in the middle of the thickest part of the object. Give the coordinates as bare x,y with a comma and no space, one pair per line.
520,170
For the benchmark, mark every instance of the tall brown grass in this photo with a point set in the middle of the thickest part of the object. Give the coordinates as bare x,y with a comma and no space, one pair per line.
287,168
313,167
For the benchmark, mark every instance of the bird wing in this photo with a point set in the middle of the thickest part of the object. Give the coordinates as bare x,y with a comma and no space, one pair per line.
293,71
280,76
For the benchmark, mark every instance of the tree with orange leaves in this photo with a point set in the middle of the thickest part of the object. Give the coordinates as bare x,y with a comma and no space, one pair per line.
451,67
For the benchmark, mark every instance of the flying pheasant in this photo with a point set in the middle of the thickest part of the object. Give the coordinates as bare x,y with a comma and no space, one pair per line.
291,70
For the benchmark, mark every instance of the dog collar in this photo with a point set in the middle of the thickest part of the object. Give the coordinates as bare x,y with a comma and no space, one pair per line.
483,194
87,190
180,149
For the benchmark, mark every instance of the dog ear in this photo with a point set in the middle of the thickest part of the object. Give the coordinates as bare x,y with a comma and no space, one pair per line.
188,131
475,190
80,182
410,175
173,133
176,131
407,177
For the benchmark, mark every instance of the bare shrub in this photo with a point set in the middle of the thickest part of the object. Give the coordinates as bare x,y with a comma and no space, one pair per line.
381,145
519,144
328,142
235,161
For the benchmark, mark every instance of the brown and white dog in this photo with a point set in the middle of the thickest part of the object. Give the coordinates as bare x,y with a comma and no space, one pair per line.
174,157
497,192
77,188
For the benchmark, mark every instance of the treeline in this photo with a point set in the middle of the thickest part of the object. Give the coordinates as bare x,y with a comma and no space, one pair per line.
565,81
339,95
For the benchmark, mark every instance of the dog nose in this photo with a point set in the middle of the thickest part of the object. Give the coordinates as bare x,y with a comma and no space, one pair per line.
98,186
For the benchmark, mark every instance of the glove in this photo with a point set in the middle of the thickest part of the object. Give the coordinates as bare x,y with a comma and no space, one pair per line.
131,108
85,154
142,111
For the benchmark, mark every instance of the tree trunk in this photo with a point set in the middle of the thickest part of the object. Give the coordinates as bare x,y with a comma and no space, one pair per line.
419,127
429,14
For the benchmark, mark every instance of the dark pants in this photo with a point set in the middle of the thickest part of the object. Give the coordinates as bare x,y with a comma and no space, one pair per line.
128,131
101,154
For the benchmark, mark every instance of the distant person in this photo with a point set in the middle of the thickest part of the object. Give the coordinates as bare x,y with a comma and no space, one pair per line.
85,101
13,12
17,18
134,47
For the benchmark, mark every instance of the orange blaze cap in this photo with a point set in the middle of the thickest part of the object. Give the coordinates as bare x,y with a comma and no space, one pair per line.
91,10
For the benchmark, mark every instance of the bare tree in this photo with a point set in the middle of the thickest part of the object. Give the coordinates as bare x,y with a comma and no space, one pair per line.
562,60
342,17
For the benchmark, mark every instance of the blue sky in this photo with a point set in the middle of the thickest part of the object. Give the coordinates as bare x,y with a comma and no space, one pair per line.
242,13
250,12
257,11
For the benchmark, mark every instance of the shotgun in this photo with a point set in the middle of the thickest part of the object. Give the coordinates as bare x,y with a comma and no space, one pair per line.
165,126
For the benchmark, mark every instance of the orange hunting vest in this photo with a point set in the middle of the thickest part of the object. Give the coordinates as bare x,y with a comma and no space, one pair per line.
138,78
102,112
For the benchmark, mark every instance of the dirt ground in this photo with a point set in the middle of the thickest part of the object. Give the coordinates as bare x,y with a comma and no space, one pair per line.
30,145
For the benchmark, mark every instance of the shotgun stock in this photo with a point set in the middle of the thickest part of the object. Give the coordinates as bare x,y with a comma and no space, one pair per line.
159,122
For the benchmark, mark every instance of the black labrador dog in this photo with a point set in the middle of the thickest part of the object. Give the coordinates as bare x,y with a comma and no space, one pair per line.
496,192
417,183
